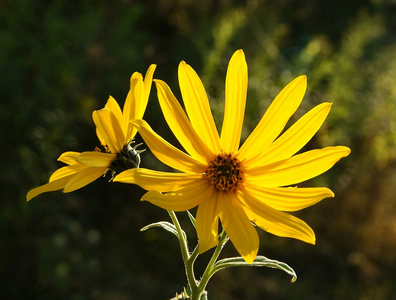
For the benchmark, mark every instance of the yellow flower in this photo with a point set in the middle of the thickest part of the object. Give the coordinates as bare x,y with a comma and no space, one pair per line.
116,135
236,185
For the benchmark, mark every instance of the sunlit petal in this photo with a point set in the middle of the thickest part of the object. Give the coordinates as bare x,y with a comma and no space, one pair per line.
83,178
167,153
100,137
274,221
69,157
112,105
237,225
294,138
130,100
49,187
207,223
109,128
180,125
137,99
138,103
289,198
135,105
181,200
148,79
235,100
296,169
275,118
96,159
197,106
66,171
157,180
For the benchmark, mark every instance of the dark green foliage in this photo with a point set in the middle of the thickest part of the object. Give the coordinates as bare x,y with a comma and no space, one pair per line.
60,60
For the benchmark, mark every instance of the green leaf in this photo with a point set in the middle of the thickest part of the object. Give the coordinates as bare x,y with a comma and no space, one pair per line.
260,261
165,225
192,219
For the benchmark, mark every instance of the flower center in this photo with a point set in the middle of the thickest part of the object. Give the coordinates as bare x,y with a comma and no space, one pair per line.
224,172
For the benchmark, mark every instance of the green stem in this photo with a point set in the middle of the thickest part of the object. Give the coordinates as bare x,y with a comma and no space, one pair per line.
197,288
187,258
194,255
208,271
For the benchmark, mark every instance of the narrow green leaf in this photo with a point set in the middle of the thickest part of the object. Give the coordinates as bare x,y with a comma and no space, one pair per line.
192,219
165,225
260,261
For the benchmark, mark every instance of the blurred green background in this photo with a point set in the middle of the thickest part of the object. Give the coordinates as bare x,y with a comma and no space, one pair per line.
60,60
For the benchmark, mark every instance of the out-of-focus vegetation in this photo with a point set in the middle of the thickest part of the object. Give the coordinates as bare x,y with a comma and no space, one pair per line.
60,60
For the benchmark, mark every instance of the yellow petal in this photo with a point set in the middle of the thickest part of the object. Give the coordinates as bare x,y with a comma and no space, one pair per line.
110,129
180,125
296,169
275,118
207,223
197,106
83,178
137,99
240,230
114,107
96,159
289,198
157,180
135,104
129,105
167,153
274,221
49,187
69,157
296,137
100,137
148,79
181,200
235,100
66,171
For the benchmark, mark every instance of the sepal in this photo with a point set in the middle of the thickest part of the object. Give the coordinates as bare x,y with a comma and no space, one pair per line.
191,217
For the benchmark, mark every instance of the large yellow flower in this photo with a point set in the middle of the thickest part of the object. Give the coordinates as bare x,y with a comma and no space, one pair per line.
236,185
116,135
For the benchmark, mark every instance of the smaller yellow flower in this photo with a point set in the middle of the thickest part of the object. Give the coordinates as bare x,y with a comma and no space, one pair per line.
116,135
